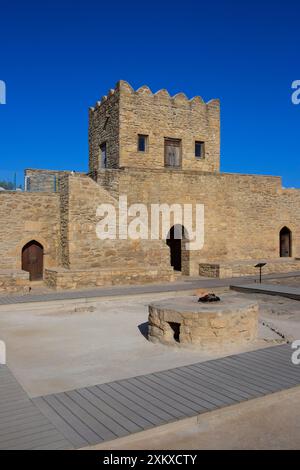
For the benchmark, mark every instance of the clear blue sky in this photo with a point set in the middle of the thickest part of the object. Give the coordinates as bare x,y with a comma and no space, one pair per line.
59,57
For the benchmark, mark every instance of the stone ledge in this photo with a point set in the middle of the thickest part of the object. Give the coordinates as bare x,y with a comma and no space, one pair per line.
14,281
228,269
60,278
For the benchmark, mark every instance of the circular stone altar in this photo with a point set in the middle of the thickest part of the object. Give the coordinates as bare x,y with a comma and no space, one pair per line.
185,321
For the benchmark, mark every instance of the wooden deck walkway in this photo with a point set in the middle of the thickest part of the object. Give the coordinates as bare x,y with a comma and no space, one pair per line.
184,284
104,412
91,415
22,425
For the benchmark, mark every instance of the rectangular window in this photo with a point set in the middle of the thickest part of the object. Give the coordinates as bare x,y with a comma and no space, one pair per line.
199,149
142,143
103,155
172,152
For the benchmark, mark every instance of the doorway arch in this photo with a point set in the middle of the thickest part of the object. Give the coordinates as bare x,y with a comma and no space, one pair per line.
32,260
285,242
176,242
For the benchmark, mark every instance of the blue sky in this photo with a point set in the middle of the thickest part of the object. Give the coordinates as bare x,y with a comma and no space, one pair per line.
59,57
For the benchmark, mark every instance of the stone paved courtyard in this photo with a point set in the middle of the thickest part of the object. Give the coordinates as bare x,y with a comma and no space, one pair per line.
56,347
51,349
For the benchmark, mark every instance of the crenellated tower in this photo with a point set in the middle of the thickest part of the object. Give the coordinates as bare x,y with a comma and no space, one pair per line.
141,129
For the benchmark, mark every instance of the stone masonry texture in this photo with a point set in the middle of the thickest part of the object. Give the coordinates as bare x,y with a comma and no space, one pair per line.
212,325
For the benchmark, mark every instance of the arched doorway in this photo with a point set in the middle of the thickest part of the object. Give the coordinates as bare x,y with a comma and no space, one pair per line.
285,242
32,260
174,241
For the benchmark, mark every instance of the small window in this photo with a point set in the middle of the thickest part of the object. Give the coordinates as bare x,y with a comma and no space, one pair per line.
199,149
142,143
103,155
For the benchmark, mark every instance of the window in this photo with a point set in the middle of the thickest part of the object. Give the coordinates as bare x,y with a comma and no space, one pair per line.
199,149
142,143
103,155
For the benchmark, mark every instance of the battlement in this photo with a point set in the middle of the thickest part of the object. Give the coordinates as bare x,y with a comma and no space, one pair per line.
179,99
139,128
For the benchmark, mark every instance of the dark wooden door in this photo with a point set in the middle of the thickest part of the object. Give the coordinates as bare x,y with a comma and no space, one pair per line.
285,242
32,260
174,243
173,153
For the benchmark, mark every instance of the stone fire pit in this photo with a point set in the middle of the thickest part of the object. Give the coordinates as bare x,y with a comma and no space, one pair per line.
185,321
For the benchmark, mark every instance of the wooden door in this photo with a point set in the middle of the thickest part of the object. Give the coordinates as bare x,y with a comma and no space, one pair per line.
172,153
285,242
32,260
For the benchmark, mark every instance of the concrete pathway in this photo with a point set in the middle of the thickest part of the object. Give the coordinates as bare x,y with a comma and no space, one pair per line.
184,284
101,413
270,289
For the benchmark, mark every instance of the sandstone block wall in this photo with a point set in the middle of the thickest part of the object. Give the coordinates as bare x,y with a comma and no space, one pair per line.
185,322
243,213
161,116
125,113
82,249
104,128
24,217
14,281
230,269
60,278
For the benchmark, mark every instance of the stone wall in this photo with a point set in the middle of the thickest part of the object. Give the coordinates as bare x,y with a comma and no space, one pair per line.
119,117
243,213
80,199
60,278
159,115
104,128
24,217
185,322
247,268
64,220
16,281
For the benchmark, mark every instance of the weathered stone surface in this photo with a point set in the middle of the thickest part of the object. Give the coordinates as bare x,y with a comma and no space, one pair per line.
61,278
124,114
238,268
232,320
14,281
24,217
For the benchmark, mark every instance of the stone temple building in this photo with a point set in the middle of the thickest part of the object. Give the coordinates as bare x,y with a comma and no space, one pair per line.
155,149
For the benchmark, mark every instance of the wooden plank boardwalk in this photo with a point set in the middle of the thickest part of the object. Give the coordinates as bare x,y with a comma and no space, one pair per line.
270,289
184,284
22,425
104,412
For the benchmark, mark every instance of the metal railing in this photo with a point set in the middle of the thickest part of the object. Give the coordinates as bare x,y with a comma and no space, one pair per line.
42,183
